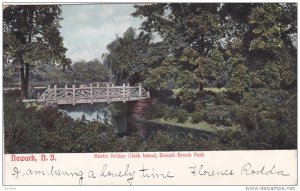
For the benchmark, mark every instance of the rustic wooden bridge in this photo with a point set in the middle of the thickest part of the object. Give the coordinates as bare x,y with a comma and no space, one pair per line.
92,94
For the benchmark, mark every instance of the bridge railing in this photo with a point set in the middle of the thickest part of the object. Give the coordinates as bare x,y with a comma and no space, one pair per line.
91,94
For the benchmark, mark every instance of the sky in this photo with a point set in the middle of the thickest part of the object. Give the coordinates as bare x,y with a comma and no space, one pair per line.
88,29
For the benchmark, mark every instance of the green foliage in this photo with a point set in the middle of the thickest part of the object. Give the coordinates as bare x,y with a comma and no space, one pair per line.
31,37
249,48
157,110
187,99
220,115
179,142
197,116
118,108
154,143
269,116
82,72
279,72
182,116
18,124
88,72
223,99
206,97
267,26
158,78
240,79
33,31
127,58
47,130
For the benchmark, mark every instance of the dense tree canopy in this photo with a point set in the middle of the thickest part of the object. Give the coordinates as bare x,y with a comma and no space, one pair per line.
211,40
31,36
247,48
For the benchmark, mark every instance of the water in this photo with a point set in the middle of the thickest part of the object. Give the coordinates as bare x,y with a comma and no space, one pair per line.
94,112
102,113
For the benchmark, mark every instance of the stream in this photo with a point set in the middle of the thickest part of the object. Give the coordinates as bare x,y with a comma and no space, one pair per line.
126,122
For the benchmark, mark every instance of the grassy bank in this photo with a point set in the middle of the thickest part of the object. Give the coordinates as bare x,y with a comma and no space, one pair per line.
203,125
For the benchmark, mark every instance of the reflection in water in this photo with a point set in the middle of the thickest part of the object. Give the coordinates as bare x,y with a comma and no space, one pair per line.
94,112
118,119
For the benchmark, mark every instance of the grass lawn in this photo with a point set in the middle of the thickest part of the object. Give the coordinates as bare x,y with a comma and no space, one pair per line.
203,125
216,90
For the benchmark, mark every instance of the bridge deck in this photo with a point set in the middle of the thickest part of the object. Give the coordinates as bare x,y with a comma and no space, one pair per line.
92,94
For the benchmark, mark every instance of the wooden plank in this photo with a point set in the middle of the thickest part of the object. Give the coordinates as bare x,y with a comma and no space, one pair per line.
124,93
140,90
108,93
74,95
49,91
91,93
55,92
42,87
97,94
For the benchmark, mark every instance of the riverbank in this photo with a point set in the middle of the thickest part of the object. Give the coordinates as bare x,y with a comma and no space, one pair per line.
201,126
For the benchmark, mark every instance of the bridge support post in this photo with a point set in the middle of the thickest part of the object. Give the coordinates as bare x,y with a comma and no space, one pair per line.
140,90
91,93
49,89
107,86
55,93
124,93
74,95
66,91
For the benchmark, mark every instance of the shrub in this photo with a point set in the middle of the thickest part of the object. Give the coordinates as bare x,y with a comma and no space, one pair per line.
171,114
197,116
161,93
220,115
187,99
222,99
235,96
179,114
156,111
206,97
182,116
246,117
160,141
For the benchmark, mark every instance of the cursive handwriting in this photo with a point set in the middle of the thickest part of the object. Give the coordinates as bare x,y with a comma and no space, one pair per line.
146,173
126,173
195,170
130,174
247,169
105,172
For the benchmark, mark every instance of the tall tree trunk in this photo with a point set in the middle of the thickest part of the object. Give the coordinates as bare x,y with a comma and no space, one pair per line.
27,78
202,44
24,73
201,86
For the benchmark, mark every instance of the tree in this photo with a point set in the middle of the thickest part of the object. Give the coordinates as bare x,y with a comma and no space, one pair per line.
91,71
193,34
31,37
223,34
239,79
127,56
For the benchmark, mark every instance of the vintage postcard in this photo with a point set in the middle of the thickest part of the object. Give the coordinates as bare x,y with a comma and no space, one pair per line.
150,94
